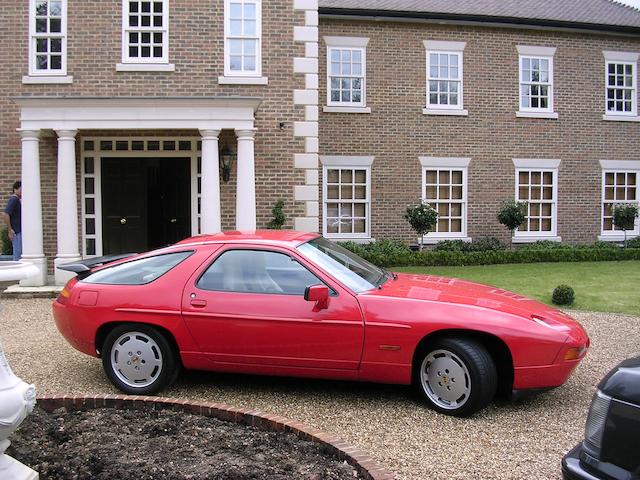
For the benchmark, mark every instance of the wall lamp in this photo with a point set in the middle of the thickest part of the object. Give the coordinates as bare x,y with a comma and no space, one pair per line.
227,156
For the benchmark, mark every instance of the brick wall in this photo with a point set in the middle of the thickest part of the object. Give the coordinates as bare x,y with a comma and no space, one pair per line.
397,133
196,46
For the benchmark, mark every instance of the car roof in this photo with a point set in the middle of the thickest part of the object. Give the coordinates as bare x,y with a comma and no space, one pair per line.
291,238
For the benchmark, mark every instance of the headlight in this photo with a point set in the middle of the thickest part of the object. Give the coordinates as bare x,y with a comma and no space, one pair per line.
594,429
550,323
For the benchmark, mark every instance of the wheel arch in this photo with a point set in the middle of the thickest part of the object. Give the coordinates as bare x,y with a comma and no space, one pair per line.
497,348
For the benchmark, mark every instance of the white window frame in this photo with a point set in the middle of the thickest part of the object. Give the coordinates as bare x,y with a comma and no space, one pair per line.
347,162
444,163
47,76
145,63
618,166
624,58
539,165
536,53
450,48
227,37
347,43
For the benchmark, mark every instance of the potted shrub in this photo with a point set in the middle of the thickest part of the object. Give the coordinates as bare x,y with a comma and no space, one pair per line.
278,219
6,248
422,218
512,214
624,217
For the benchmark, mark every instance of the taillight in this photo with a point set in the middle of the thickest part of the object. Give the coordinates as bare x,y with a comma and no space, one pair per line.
596,420
65,293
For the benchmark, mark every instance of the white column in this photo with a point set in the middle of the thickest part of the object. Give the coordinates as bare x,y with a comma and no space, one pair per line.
32,237
246,183
210,183
67,205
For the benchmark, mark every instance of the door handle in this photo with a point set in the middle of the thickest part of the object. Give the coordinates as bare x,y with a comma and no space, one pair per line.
198,303
123,221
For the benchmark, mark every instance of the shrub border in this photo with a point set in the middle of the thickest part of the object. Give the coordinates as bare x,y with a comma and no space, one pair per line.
360,460
388,255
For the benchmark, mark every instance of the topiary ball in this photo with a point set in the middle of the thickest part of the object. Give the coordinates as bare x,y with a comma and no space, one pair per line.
563,295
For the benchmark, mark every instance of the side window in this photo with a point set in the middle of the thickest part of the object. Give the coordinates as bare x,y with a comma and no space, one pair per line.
243,38
138,272
145,33
257,271
48,37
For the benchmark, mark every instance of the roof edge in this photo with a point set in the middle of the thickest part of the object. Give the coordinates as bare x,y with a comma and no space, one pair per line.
487,20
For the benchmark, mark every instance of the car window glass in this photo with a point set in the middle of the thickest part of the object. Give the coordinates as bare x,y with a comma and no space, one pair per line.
138,272
257,271
355,272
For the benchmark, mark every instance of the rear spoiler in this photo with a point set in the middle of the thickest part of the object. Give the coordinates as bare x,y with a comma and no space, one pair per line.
83,267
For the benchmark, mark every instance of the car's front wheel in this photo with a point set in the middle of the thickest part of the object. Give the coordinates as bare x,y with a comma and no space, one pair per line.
138,359
456,376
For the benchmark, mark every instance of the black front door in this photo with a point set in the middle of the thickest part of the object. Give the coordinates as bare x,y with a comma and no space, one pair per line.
145,203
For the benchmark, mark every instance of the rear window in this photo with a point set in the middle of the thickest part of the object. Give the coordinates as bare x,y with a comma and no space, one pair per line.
138,272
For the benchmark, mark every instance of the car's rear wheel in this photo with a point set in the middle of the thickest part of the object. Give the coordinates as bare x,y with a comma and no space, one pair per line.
456,376
138,359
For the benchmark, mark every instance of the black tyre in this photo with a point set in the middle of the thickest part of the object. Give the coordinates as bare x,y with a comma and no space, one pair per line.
456,376
138,359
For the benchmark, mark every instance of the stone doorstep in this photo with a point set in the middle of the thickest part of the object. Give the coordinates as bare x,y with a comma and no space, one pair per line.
16,291
366,466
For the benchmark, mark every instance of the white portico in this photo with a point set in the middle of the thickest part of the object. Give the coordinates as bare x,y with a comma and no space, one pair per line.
65,116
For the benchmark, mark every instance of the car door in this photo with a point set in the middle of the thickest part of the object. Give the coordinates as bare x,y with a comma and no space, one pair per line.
247,306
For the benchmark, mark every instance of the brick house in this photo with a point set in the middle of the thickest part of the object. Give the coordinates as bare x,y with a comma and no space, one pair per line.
134,123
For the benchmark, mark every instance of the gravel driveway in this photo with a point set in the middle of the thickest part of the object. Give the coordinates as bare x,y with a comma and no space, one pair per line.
508,440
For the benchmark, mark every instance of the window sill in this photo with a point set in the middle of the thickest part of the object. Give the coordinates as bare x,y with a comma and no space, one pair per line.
145,67
350,239
537,238
616,237
621,118
433,240
34,80
243,80
549,115
445,111
335,109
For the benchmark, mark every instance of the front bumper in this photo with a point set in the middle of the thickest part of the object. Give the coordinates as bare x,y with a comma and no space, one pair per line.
579,465
544,376
572,468
567,358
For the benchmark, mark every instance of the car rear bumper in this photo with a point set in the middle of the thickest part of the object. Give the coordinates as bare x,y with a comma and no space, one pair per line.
65,324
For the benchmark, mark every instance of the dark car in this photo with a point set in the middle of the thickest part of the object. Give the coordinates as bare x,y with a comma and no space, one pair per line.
611,446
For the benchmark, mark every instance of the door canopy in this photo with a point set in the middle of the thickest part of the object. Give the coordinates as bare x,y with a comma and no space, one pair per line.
153,113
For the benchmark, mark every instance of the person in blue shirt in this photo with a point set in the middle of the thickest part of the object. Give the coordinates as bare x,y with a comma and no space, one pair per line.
13,219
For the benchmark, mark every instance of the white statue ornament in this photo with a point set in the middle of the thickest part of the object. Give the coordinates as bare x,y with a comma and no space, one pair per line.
17,398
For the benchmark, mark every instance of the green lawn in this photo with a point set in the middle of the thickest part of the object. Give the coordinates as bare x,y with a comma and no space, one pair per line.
599,286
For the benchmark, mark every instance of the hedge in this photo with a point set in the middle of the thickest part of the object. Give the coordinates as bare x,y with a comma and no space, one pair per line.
389,253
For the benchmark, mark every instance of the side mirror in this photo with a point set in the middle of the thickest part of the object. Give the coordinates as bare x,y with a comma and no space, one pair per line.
318,294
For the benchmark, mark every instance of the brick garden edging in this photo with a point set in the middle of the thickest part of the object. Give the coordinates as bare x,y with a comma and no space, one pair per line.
366,466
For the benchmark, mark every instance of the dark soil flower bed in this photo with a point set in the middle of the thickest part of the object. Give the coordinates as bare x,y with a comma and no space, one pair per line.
106,443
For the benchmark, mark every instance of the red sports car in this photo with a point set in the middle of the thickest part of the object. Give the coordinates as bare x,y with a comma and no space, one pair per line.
295,304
